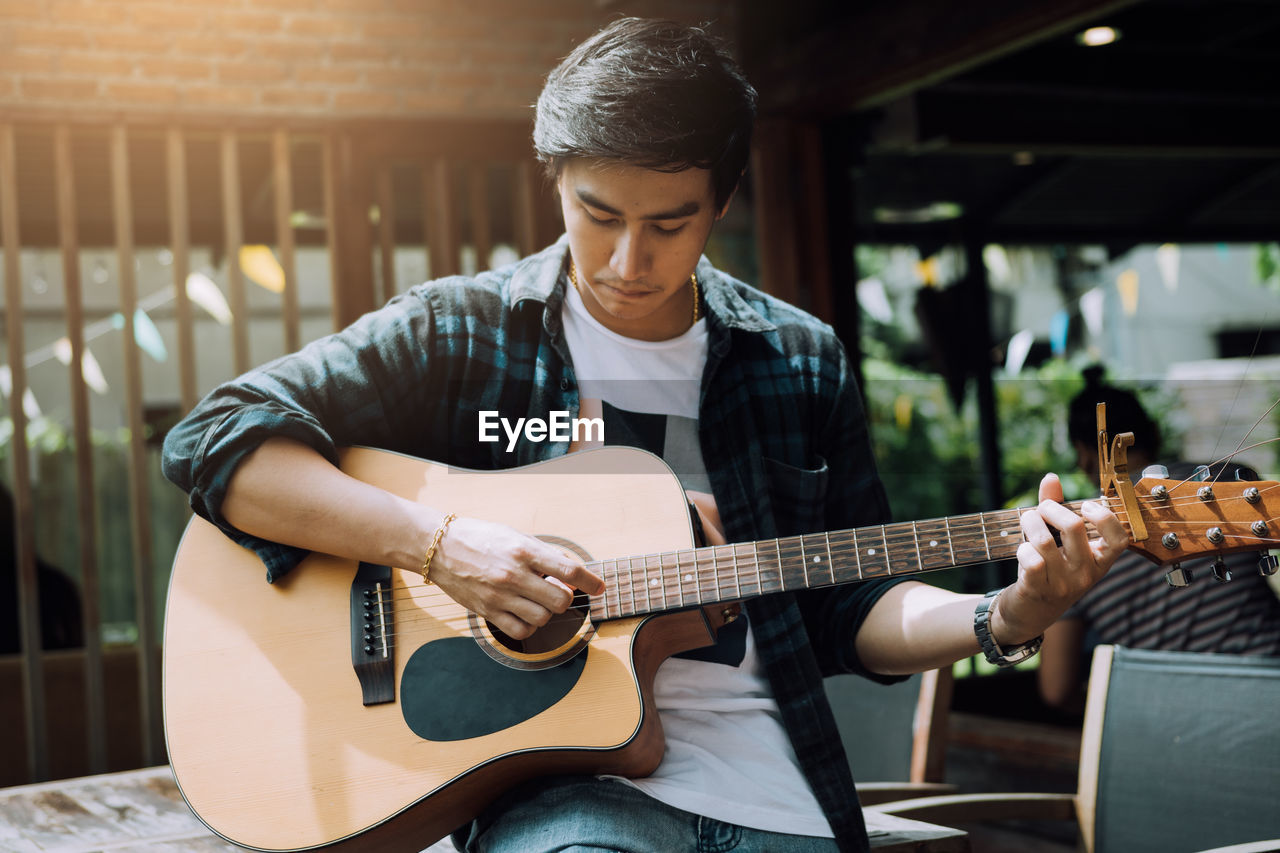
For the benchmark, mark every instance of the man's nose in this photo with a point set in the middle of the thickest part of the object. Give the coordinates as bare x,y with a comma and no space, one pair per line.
630,258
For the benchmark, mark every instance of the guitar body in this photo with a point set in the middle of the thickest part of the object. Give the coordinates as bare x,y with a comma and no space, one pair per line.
270,741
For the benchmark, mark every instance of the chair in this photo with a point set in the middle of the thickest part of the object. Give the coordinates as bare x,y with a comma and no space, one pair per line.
1180,751
895,734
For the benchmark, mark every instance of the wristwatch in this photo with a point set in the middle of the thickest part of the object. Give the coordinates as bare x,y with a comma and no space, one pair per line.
1001,657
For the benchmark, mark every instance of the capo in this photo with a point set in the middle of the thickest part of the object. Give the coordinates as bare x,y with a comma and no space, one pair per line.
1113,473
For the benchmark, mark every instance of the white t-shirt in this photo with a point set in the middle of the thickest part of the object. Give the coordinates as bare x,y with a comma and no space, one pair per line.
727,756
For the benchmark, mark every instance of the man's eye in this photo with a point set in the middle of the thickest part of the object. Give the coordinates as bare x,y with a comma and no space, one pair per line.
597,220
669,231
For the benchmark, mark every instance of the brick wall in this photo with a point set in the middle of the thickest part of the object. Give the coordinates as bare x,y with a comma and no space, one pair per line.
321,59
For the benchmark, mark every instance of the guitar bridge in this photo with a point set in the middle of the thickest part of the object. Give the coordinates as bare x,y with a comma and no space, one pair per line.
372,648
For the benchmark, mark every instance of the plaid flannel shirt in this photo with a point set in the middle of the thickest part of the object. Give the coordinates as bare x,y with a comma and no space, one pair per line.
781,426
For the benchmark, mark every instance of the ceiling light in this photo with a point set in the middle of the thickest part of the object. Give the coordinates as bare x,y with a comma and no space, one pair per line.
1097,36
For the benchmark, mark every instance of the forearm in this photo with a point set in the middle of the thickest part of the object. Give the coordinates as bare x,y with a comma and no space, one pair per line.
916,627
285,491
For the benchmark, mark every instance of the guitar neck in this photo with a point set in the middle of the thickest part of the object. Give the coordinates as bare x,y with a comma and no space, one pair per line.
674,580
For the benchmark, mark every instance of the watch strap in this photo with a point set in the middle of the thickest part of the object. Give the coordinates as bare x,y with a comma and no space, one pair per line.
991,650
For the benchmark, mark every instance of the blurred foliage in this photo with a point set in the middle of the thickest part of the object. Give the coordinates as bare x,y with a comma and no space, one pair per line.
928,453
1268,264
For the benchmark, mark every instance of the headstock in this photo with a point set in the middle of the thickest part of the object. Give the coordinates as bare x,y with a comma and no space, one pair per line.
1187,519
1173,520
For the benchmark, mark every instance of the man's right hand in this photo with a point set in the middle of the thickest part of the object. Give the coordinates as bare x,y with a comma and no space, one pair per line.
513,580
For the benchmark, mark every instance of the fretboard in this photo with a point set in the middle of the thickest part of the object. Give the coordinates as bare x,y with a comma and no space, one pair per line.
673,580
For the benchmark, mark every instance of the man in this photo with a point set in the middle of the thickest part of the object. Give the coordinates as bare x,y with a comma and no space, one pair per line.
645,128
1133,605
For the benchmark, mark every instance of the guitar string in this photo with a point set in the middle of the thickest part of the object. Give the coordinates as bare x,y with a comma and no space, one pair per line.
694,571
693,568
720,589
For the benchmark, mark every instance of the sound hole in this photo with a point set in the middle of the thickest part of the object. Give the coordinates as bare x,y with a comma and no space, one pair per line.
558,632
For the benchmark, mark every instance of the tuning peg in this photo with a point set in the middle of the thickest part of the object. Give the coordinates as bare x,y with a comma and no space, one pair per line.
1220,571
1156,472
1201,474
1178,576
1267,564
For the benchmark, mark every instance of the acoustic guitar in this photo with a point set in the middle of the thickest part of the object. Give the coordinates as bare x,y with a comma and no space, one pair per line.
353,706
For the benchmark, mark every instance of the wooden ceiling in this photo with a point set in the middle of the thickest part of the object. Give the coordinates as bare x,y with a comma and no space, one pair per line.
994,111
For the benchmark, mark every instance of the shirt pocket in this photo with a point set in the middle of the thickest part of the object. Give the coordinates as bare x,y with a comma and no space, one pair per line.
798,495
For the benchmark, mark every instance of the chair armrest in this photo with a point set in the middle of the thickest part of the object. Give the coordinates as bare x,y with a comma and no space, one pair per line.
875,793
1271,846
971,808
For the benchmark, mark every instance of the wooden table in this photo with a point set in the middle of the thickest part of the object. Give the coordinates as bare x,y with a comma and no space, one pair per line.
142,810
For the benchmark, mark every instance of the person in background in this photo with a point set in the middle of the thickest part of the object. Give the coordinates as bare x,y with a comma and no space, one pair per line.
60,619
1133,605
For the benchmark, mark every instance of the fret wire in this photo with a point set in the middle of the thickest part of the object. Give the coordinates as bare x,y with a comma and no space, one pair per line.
951,545
982,520
759,575
804,563
782,580
853,537
737,583
631,584
831,561
648,600
884,541
607,588
915,533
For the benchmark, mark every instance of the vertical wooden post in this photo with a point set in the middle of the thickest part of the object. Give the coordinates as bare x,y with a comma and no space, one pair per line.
526,217
24,528
233,229
442,230
386,236
481,232
86,517
148,672
282,168
180,245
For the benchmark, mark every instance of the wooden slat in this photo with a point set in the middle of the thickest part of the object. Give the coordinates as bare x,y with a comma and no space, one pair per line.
180,245
233,229
353,195
386,237
283,177
86,516
481,231
1091,744
329,178
24,527
526,217
442,231
138,491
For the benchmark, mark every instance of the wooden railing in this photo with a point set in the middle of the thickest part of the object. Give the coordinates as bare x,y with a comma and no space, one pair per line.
363,197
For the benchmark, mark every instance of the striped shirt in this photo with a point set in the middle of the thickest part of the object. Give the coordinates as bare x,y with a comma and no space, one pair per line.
780,424
1133,606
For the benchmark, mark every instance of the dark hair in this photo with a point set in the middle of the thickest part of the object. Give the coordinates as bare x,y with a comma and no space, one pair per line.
1124,414
649,93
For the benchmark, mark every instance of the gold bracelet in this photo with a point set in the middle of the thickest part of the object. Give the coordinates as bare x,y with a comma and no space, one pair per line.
435,543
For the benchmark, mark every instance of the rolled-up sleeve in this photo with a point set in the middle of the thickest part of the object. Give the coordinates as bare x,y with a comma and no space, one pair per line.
356,386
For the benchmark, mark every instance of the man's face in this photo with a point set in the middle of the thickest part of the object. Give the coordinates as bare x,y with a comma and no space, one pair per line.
636,235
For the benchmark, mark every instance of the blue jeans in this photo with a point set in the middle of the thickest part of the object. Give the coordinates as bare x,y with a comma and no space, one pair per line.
582,814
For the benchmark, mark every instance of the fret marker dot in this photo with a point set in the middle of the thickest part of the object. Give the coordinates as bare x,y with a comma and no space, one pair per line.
933,543
688,577
1004,533
817,559
871,550
653,582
